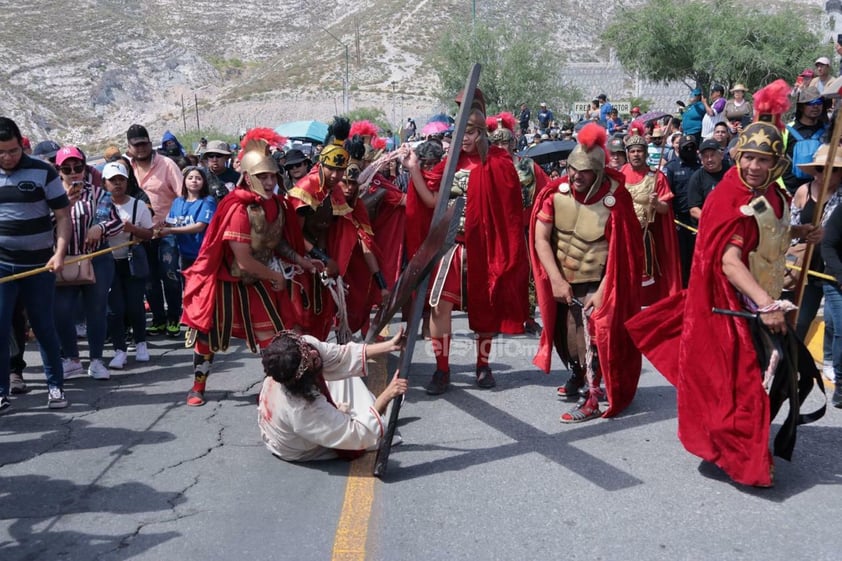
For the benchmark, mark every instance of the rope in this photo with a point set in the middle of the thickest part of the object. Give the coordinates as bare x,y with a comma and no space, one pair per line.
338,289
810,272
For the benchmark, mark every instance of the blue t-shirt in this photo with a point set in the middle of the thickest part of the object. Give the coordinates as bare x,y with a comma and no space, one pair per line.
185,213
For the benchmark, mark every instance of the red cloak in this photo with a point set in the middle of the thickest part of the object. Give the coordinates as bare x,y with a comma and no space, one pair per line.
200,286
389,226
668,265
723,410
497,267
619,361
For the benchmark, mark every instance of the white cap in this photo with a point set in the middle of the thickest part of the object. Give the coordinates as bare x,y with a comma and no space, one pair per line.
823,60
112,169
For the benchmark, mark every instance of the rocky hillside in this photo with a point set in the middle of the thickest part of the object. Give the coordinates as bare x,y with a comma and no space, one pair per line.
82,71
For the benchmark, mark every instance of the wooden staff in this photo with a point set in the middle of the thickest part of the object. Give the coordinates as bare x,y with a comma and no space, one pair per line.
71,261
817,216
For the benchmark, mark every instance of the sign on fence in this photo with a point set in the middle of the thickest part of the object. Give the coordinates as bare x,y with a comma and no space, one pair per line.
623,107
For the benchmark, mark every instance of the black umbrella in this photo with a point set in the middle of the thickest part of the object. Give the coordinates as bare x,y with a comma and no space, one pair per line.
549,151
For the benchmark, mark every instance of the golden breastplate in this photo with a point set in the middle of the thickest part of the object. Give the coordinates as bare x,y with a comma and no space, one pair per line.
459,188
767,262
640,196
265,237
578,237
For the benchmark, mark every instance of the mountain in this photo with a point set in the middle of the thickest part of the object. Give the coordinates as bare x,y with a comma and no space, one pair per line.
83,71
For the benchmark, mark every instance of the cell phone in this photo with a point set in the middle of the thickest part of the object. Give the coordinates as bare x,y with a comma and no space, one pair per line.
76,186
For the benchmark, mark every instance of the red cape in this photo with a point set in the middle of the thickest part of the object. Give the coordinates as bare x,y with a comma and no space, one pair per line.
723,410
619,361
389,227
666,241
199,300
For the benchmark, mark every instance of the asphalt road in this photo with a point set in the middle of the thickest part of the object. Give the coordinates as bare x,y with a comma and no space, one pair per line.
130,472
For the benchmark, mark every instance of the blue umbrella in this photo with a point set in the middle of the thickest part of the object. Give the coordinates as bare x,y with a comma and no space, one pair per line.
315,131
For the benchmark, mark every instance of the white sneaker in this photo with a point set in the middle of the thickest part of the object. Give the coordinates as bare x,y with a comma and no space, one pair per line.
827,372
72,368
56,399
141,353
98,371
81,330
119,360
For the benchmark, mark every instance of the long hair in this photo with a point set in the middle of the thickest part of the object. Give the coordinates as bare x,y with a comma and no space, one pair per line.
281,359
205,192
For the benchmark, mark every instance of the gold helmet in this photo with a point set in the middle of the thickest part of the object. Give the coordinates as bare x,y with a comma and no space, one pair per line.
763,136
590,154
334,154
255,158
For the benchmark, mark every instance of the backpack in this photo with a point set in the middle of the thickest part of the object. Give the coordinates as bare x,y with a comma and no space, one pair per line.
804,149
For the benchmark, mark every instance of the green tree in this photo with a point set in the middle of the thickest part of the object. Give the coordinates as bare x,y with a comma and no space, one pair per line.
701,42
372,114
517,67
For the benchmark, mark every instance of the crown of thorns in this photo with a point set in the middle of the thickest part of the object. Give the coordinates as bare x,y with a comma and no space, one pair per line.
303,348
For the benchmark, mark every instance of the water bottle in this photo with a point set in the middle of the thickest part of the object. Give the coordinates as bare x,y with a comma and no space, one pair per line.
103,209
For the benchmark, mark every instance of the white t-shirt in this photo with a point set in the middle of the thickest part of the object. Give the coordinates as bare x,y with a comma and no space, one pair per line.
143,219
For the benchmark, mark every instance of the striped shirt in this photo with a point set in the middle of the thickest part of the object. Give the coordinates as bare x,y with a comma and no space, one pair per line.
83,217
27,195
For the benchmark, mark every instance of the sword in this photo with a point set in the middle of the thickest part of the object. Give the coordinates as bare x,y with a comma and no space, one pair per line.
382,459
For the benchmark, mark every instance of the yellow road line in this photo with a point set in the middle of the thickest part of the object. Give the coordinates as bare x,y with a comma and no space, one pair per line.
352,529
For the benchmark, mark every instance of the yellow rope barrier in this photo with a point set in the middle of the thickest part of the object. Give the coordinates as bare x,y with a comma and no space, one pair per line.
816,274
72,260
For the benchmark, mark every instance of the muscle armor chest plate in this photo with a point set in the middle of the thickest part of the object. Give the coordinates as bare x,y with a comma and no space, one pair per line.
581,249
767,262
460,189
640,195
265,237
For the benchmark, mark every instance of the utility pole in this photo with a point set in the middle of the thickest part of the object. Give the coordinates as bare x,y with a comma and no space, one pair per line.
394,121
345,85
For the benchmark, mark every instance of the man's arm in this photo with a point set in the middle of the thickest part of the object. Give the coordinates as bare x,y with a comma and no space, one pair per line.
63,234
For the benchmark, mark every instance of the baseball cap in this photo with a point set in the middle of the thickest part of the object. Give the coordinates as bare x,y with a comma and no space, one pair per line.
137,134
112,169
823,60
46,149
68,152
710,144
695,92
687,140
635,110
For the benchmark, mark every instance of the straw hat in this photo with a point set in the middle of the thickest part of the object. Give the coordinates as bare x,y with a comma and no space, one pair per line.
820,160
738,88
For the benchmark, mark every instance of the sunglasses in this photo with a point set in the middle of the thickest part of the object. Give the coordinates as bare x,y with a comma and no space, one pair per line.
67,170
297,165
212,156
818,101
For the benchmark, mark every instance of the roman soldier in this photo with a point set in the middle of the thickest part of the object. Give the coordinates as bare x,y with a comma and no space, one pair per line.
650,191
532,180
586,258
486,272
236,287
318,200
724,342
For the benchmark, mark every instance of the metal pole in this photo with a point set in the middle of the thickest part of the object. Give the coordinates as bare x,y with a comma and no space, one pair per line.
183,114
346,85
196,104
347,82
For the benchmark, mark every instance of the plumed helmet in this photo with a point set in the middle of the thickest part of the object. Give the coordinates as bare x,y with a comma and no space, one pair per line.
764,136
255,157
334,153
589,153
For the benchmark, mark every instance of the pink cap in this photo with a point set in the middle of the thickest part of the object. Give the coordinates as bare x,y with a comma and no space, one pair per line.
68,152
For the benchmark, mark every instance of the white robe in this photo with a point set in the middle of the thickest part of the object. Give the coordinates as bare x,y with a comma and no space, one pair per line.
295,429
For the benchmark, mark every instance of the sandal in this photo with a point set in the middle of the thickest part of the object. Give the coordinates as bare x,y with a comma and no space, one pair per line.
581,413
195,399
